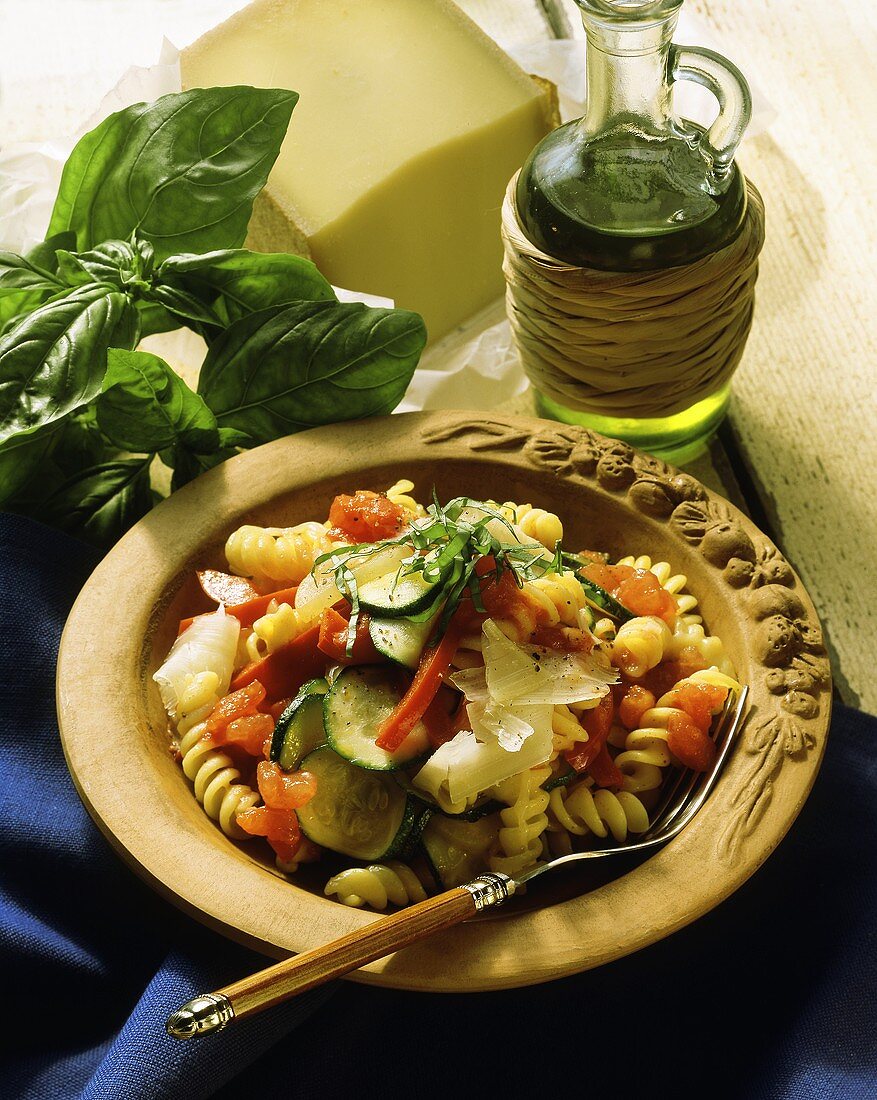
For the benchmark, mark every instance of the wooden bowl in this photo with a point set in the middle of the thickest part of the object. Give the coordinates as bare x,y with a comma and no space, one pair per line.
610,497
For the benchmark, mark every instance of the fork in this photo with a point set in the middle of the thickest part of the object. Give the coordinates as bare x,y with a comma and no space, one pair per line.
210,1012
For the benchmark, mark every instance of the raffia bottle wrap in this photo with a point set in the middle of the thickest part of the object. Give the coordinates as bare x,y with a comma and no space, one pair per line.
631,344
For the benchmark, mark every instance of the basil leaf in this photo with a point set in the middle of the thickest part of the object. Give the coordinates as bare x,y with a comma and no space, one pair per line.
122,264
237,282
155,318
145,406
27,282
45,254
186,308
292,367
101,502
22,456
182,171
23,286
54,359
58,451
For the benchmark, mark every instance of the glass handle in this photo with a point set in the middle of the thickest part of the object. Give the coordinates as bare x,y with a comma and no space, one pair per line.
729,86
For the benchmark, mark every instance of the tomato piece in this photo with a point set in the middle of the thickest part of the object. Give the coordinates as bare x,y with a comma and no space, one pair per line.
667,674
633,705
500,596
604,770
236,705
284,790
597,722
279,827
275,709
690,745
699,701
639,590
366,517
250,732
333,639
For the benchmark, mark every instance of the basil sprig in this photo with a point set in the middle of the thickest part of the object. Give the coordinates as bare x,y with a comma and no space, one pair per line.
445,549
146,235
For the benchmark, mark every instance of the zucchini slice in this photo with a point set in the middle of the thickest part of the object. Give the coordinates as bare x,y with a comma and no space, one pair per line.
401,640
394,595
457,850
300,729
358,701
363,814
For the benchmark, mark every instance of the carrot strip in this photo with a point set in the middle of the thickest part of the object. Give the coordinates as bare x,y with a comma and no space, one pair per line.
431,672
284,671
247,613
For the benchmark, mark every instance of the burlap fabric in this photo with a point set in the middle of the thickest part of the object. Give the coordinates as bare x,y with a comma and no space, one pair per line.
630,344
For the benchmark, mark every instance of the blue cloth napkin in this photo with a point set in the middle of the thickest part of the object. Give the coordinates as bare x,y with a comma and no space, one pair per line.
772,995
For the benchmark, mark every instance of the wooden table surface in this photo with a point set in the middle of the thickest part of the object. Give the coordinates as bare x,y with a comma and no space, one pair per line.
799,450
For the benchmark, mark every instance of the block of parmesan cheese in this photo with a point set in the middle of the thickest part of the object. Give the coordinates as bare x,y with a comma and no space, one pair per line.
411,121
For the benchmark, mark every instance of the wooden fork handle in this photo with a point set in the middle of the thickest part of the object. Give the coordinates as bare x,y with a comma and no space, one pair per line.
286,979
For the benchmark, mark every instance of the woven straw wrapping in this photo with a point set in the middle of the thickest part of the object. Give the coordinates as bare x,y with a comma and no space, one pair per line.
630,344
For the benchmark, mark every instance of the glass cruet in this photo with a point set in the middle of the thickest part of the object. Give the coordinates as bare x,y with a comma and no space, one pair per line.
630,186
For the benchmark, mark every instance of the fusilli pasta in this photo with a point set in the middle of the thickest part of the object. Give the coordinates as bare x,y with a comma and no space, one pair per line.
523,822
279,625
535,523
378,885
399,494
276,555
640,644
580,810
211,771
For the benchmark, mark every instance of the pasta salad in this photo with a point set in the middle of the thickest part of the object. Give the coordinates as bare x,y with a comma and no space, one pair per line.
433,692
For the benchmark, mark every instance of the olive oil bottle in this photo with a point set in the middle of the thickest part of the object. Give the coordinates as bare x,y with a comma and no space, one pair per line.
632,187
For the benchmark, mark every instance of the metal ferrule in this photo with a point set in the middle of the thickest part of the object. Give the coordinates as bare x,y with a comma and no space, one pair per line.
489,889
203,1014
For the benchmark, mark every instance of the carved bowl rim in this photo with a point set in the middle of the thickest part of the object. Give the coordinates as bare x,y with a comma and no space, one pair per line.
116,742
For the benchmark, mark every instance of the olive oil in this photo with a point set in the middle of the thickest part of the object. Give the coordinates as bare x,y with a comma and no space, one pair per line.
631,187
625,201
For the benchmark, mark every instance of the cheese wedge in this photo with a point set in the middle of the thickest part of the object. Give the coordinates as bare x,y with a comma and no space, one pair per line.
410,124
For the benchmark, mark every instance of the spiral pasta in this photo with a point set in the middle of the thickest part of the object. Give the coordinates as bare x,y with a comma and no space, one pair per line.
644,756
692,635
565,728
279,625
276,555
523,821
580,810
211,771
555,599
535,523
378,885
646,751
560,597
674,583
604,630
640,644
399,494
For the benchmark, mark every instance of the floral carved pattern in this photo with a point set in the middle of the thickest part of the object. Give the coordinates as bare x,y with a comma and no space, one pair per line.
786,639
